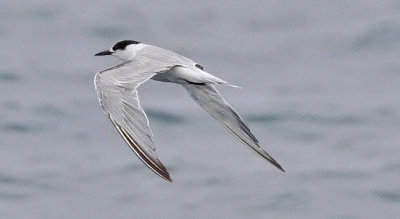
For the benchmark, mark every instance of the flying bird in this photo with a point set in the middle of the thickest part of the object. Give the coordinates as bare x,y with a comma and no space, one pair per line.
116,88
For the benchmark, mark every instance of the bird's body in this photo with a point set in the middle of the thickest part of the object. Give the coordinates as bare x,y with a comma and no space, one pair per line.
117,91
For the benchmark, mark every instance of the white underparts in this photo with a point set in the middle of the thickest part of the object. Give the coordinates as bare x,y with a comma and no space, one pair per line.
184,75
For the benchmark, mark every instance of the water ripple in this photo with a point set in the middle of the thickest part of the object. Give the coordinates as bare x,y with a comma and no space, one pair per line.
382,36
308,118
163,116
42,13
12,196
11,105
51,110
386,195
108,32
391,167
341,174
131,168
336,175
284,201
9,77
35,182
19,188
21,127
207,182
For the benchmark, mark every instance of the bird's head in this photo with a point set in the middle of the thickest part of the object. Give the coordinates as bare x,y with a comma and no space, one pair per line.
124,50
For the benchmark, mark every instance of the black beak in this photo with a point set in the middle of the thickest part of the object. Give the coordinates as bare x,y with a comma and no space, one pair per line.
104,53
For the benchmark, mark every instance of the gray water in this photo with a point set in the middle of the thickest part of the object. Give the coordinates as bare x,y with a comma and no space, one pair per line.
321,91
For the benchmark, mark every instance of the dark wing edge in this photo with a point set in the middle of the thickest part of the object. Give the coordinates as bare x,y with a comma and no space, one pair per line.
212,102
150,161
106,86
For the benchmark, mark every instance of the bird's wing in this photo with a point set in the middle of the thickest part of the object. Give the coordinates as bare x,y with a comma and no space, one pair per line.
164,55
117,91
212,102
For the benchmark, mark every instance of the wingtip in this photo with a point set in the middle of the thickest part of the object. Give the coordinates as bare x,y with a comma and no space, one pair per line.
167,178
151,162
165,175
277,165
163,172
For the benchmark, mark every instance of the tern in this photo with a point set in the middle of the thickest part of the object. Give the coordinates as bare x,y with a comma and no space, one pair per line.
116,88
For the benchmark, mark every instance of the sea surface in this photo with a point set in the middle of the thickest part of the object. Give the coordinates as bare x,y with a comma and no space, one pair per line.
321,91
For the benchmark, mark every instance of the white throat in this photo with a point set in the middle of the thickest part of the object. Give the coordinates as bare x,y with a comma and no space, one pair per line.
129,52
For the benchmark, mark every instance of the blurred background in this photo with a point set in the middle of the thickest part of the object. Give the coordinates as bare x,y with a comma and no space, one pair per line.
321,92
